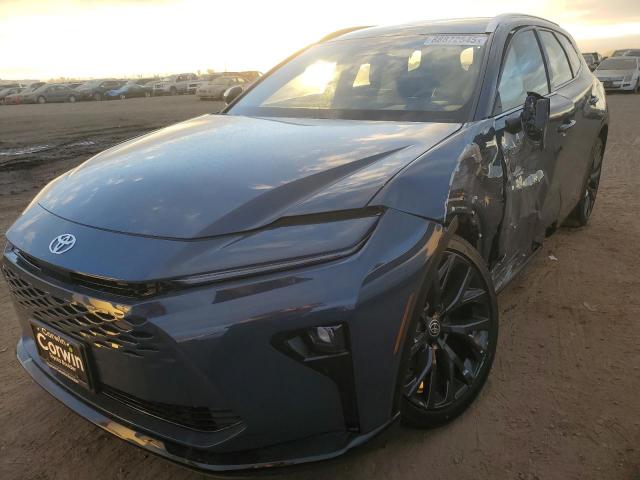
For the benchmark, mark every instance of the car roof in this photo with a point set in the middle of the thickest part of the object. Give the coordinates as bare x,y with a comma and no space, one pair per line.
453,26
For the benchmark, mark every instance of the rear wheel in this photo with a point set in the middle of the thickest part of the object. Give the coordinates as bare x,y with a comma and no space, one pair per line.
42,100
451,342
581,214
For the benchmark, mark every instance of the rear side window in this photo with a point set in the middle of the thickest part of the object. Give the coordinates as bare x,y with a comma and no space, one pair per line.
522,72
574,60
559,69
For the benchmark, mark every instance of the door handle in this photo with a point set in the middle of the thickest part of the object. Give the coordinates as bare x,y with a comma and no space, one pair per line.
565,127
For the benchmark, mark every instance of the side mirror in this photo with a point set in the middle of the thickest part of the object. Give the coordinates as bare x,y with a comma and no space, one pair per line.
231,94
535,116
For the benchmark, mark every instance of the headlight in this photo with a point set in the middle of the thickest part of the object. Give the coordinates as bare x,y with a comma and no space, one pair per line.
291,242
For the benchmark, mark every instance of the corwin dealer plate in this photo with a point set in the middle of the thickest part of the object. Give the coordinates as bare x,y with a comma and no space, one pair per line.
62,354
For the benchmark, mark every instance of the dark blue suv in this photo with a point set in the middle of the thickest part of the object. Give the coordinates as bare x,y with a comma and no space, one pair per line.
277,283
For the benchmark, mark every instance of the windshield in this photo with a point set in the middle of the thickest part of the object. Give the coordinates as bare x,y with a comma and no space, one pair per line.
618,64
415,78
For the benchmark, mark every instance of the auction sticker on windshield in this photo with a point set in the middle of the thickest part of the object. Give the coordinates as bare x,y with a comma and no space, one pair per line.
65,356
456,40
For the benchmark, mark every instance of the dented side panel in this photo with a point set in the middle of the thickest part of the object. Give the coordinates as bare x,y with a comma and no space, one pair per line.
505,189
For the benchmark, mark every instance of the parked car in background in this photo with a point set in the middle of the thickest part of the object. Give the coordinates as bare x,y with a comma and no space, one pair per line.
16,98
593,59
11,85
9,91
95,89
215,89
131,89
50,93
620,73
177,84
626,52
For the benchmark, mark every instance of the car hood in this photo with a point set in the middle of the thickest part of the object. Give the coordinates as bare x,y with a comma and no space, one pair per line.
220,174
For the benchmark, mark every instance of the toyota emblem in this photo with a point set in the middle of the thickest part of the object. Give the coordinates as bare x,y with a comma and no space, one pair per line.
62,243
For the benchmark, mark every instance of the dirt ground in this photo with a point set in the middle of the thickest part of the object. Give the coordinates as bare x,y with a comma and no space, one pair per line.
562,402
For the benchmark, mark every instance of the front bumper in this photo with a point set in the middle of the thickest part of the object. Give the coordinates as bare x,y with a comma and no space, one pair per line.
619,85
131,433
217,347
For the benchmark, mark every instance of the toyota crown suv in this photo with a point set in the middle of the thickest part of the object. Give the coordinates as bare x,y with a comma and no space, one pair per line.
279,282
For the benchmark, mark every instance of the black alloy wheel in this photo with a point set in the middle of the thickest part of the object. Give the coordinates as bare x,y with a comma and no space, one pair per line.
581,214
451,343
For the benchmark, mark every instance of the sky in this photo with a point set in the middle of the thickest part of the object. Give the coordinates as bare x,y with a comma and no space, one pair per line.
48,39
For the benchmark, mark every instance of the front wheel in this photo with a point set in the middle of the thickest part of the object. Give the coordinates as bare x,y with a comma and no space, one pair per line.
72,99
42,100
451,343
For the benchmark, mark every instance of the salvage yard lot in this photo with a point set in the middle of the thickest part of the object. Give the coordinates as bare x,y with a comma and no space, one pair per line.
562,401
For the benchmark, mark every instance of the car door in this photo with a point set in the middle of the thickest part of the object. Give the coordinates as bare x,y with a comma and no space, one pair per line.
53,93
574,128
60,93
181,83
532,201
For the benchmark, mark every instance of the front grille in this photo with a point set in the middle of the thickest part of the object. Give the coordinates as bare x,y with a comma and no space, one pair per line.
197,418
100,325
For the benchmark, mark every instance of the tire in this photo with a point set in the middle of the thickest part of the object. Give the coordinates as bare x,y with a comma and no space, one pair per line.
173,91
448,351
97,96
72,99
582,212
42,100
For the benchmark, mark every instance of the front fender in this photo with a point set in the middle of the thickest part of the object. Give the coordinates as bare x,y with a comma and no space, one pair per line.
462,177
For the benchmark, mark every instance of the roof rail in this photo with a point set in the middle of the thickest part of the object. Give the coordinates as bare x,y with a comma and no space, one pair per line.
342,31
498,19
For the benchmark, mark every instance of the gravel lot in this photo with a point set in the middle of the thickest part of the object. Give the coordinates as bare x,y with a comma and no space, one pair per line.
562,402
